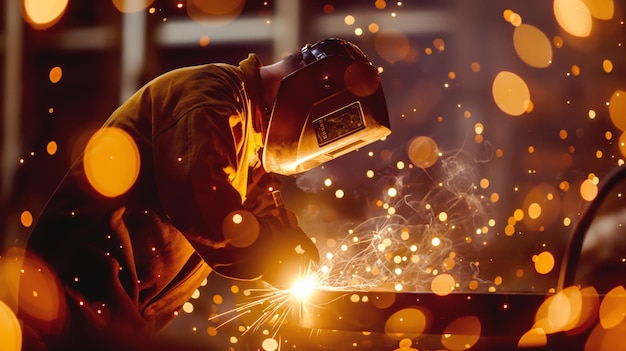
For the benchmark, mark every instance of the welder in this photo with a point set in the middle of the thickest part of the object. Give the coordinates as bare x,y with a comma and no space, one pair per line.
209,145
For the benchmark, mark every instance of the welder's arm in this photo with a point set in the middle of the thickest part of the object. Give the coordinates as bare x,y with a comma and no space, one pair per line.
189,161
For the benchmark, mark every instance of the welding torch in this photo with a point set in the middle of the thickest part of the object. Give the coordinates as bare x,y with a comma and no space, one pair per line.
279,202
306,246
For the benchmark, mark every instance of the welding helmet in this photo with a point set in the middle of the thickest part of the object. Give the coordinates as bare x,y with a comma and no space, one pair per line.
333,105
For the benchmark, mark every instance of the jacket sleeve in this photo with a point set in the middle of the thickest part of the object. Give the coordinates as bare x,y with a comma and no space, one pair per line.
190,158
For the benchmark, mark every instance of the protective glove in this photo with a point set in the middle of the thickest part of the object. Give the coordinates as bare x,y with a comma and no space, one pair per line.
292,253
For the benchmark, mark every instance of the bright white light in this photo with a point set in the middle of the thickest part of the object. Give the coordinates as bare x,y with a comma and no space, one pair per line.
303,288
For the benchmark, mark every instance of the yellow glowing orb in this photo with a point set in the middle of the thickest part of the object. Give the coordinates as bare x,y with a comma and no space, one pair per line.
588,190
52,148
26,218
613,308
544,262
42,14
303,288
10,331
269,344
241,228
40,295
511,93
600,9
443,284
573,16
111,161
462,333
406,323
617,109
131,6
532,46
607,65
423,151
535,337
55,74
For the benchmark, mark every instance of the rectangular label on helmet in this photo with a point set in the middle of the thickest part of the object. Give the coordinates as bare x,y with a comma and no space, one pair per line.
339,123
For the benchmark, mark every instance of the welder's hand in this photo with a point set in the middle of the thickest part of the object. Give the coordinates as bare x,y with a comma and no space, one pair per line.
290,257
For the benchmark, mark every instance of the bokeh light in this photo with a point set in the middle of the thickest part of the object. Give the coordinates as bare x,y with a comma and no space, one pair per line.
26,218
392,45
241,228
588,190
600,9
443,284
511,93
573,16
214,13
10,330
462,333
613,308
43,14
55,74
533,338
52,147
406,323
617,109
131,6
361,79
532,46
270,344
422,151
544,262
111,161
41,296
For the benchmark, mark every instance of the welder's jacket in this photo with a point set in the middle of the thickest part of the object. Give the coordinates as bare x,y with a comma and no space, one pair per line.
196,129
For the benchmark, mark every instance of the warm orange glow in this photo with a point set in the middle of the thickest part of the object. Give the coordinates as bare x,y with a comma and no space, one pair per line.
573,16
406,323
270,344
443,284
560,312
43,14
544,262
10,331
535,337
462,333
55,74
392,45
241,229
532,46
423,151
132,6
40,295
511,93
600,9
588,190
361,79
111,161
588,311
617,109
613,308
52,148
543,208
534,210
26,218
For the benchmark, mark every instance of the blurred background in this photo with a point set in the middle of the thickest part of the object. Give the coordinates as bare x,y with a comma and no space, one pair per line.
506,117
